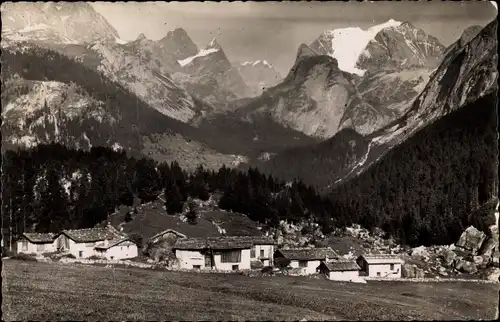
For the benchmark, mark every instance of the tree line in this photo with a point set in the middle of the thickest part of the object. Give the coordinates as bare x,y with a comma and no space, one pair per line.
422,192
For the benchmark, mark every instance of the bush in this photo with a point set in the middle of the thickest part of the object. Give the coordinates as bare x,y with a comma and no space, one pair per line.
267,270
7,253
68,256
94,257
25,257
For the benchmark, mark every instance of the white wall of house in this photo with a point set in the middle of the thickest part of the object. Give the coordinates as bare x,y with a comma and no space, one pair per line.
193,259
123,250
79,250
27,247
189,259
343,275
384,270
263,253
309,268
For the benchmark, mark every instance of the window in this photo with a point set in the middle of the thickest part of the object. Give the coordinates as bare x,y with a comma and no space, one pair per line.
80,253
231,256
196,266
236,267
252,252
392,267
302,263
378,274
261,253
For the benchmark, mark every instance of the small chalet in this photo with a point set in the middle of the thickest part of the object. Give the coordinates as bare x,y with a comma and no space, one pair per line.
222,253
36,243
307,259
120,248
160,245
262,249
341,270
81,243
380,265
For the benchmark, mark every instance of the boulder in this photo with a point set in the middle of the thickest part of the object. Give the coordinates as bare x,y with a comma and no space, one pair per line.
412,271
492,274
478,260
488,246
466,267
420,251
408,271
471,240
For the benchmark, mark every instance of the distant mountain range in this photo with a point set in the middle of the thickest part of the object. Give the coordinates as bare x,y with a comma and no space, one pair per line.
341,107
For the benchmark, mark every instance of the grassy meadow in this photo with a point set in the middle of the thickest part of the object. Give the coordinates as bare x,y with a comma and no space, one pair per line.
53,291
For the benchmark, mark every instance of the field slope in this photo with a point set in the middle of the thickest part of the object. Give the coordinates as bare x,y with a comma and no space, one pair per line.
40,291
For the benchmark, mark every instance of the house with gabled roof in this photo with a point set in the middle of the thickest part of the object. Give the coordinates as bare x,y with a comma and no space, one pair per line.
262,249
341,270
119,248
305,259
36,243
380,265
81,243
228,253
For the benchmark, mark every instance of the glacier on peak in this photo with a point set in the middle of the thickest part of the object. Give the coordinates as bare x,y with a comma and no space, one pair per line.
347,44
257,62
201,53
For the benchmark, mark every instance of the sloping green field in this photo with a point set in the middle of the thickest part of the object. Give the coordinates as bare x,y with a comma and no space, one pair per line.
41,291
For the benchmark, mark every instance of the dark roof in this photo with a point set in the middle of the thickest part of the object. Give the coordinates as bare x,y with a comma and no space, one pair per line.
342,265
217,243
90,234
256,240
308,253
40,237
167,231
112,243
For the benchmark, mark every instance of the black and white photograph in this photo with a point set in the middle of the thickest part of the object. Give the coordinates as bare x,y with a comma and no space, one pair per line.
249,161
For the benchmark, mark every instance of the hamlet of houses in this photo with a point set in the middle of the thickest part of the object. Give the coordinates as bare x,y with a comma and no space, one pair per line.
222,253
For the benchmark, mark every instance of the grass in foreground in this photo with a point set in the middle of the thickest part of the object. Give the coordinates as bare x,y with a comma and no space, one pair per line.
41,291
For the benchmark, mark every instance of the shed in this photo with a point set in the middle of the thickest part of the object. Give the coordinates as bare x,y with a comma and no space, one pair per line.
340,270
308,259
380,265
36,243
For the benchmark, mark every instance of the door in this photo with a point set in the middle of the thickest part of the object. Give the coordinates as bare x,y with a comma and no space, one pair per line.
208,260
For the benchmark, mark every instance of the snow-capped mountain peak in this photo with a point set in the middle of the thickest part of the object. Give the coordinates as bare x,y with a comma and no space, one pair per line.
257,62
347,44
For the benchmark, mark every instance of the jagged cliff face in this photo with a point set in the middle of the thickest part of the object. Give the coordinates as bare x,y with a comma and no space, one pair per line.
212,78
401,47
311,99
464,76
151,85
61,22
259,75
38,112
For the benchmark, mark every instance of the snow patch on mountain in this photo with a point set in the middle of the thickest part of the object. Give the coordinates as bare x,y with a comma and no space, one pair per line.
347,44
201,53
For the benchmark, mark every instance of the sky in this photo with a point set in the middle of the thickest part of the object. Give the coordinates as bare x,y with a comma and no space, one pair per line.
273,31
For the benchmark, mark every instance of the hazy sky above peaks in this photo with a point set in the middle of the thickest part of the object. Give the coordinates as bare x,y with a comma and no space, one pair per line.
274,30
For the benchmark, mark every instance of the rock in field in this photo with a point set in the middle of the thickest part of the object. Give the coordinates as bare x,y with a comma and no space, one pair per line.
449,257
471,240
466,267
